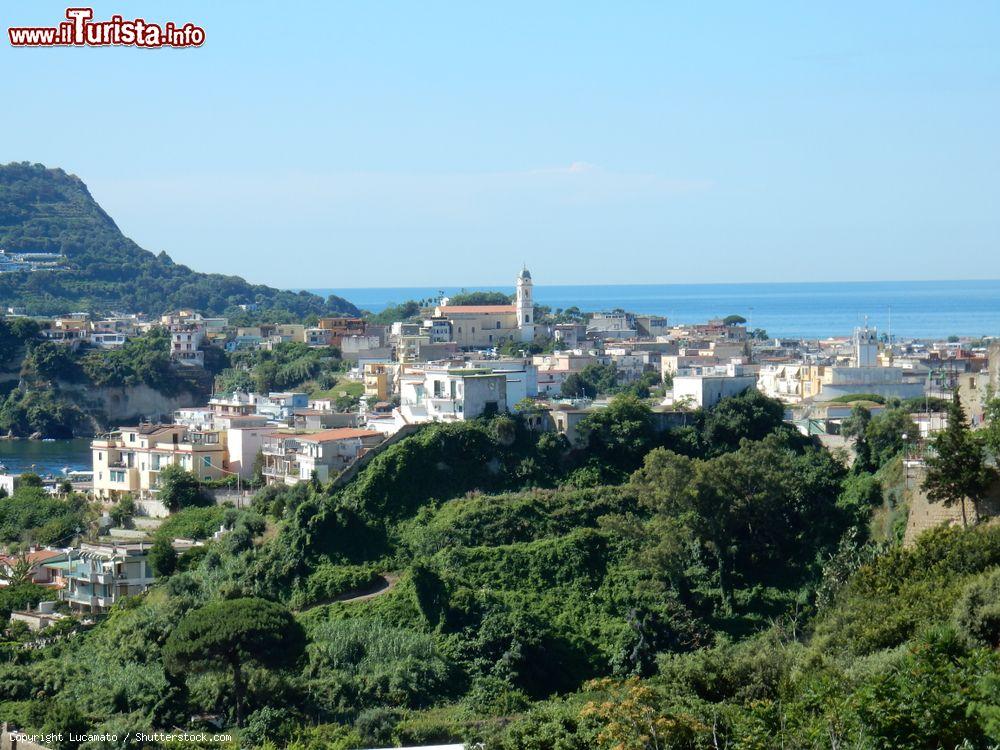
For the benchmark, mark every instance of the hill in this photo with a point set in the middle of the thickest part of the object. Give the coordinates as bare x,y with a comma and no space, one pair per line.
48,211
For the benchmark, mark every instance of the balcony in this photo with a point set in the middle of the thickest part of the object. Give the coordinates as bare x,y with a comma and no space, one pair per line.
84,575
275,449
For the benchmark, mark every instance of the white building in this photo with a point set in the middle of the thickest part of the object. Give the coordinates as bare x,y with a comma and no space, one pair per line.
185,343
290,458
710,387
866,347
783,381
449,392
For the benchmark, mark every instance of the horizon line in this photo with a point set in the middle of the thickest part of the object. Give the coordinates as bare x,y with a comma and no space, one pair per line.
655,284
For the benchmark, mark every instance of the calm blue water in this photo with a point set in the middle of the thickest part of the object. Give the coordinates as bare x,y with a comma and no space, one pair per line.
919,309
45,457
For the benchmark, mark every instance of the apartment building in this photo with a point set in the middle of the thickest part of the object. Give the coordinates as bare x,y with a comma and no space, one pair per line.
341,327
712,384
96,576
290,458
379,379
450,392
129,460
185,344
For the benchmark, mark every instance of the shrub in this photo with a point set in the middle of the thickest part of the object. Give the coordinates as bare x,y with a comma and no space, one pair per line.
977,612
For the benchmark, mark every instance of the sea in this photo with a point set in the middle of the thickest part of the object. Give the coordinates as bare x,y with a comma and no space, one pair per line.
903,309
45,457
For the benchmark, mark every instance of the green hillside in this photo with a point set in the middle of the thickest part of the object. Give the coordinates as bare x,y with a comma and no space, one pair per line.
720,584
47,210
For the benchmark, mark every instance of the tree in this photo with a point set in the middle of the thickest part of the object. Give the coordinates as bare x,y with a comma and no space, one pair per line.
632,718
480,298
856,427
17,570
590,382
750,415
733,320
956,469
887,434
977,613
123,511
162,557
991,433
231,635
622,433
61,720
180,489
29,479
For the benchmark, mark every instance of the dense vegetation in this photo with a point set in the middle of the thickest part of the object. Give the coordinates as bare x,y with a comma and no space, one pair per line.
46,210
723,584
46,397
32,516
287,366
597,380
45,392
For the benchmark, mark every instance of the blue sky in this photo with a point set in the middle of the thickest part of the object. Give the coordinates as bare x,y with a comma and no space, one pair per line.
338,144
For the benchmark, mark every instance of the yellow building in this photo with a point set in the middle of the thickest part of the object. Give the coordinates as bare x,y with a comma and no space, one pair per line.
129,460
379,378
487,326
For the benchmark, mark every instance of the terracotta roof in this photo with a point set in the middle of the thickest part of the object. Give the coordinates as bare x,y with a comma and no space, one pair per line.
477,309
341,433
33,557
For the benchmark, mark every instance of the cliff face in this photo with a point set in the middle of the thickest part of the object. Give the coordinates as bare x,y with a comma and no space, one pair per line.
111,407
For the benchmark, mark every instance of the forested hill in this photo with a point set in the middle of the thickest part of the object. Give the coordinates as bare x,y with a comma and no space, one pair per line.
47,210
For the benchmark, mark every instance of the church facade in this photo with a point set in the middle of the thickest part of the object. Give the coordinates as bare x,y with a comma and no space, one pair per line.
487,326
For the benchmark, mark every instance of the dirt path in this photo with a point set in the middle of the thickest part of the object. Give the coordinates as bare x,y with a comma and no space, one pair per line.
386,583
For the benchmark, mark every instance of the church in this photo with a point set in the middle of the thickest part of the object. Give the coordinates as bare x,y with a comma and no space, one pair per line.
486,326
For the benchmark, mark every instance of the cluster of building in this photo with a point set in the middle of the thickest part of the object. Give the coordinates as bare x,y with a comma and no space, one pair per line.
14,261
448,365
281,436
445,366
90,578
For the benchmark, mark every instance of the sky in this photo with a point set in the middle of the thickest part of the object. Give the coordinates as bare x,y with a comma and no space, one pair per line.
360,144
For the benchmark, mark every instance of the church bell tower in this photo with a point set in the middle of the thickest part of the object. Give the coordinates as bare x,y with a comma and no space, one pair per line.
525,306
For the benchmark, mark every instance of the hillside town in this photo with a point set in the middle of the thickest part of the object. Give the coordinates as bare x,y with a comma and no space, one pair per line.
453,363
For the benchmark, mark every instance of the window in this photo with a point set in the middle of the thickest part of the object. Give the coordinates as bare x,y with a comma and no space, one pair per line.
498,324
117,476
527,318
206,461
